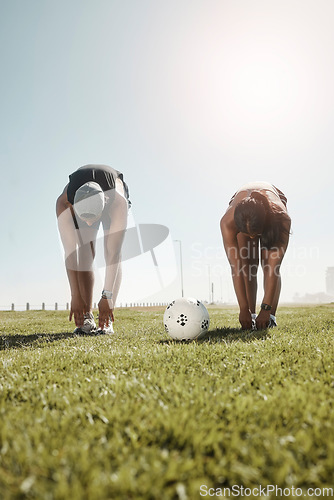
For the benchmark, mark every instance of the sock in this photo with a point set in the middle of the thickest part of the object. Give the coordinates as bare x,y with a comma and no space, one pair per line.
253,321
272,320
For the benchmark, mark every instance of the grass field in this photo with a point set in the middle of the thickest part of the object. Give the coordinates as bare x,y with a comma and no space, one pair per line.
137,416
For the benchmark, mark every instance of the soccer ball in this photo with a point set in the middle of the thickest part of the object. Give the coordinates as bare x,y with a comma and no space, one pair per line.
186,319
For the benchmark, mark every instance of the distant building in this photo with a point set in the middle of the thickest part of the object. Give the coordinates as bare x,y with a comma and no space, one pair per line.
330,280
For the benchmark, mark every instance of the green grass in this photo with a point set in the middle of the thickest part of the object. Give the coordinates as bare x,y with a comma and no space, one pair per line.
138,416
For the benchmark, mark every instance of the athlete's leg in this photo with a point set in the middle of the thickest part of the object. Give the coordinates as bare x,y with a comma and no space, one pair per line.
86,253
265,265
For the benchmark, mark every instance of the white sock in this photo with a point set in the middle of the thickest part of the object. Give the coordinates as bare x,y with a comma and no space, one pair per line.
273,317
254,315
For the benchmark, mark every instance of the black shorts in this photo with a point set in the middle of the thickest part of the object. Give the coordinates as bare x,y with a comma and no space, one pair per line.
103,175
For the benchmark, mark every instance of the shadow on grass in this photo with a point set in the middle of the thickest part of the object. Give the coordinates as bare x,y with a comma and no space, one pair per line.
229,335
19,341
224,335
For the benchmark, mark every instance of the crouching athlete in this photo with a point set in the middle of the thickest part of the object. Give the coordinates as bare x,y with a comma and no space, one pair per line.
256,223
95,194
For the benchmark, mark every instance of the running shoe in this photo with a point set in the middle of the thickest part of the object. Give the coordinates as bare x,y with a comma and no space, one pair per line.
253,321
89,325
272,322
107,330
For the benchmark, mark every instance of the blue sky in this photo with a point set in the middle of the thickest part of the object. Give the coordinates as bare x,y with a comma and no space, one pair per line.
189,99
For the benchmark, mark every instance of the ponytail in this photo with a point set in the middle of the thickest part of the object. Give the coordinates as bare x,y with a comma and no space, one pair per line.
275,230
255,215
260,198
274,227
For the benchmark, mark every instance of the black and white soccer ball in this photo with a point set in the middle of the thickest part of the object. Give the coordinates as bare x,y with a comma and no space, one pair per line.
186,319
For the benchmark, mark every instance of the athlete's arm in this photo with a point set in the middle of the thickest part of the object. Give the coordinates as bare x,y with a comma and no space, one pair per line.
271,265
67,235
113,240
232,251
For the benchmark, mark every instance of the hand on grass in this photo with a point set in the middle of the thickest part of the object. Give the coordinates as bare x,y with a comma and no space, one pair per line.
78,310
245,319
262,320
106,308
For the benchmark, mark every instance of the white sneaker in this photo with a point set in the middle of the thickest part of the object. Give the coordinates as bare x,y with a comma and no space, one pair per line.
272,321
107,330
89,325
254,321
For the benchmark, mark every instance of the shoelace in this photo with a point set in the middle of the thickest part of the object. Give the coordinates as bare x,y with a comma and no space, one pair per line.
88,316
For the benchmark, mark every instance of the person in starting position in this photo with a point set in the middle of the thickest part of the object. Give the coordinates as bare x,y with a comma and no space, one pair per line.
256,223
95,194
